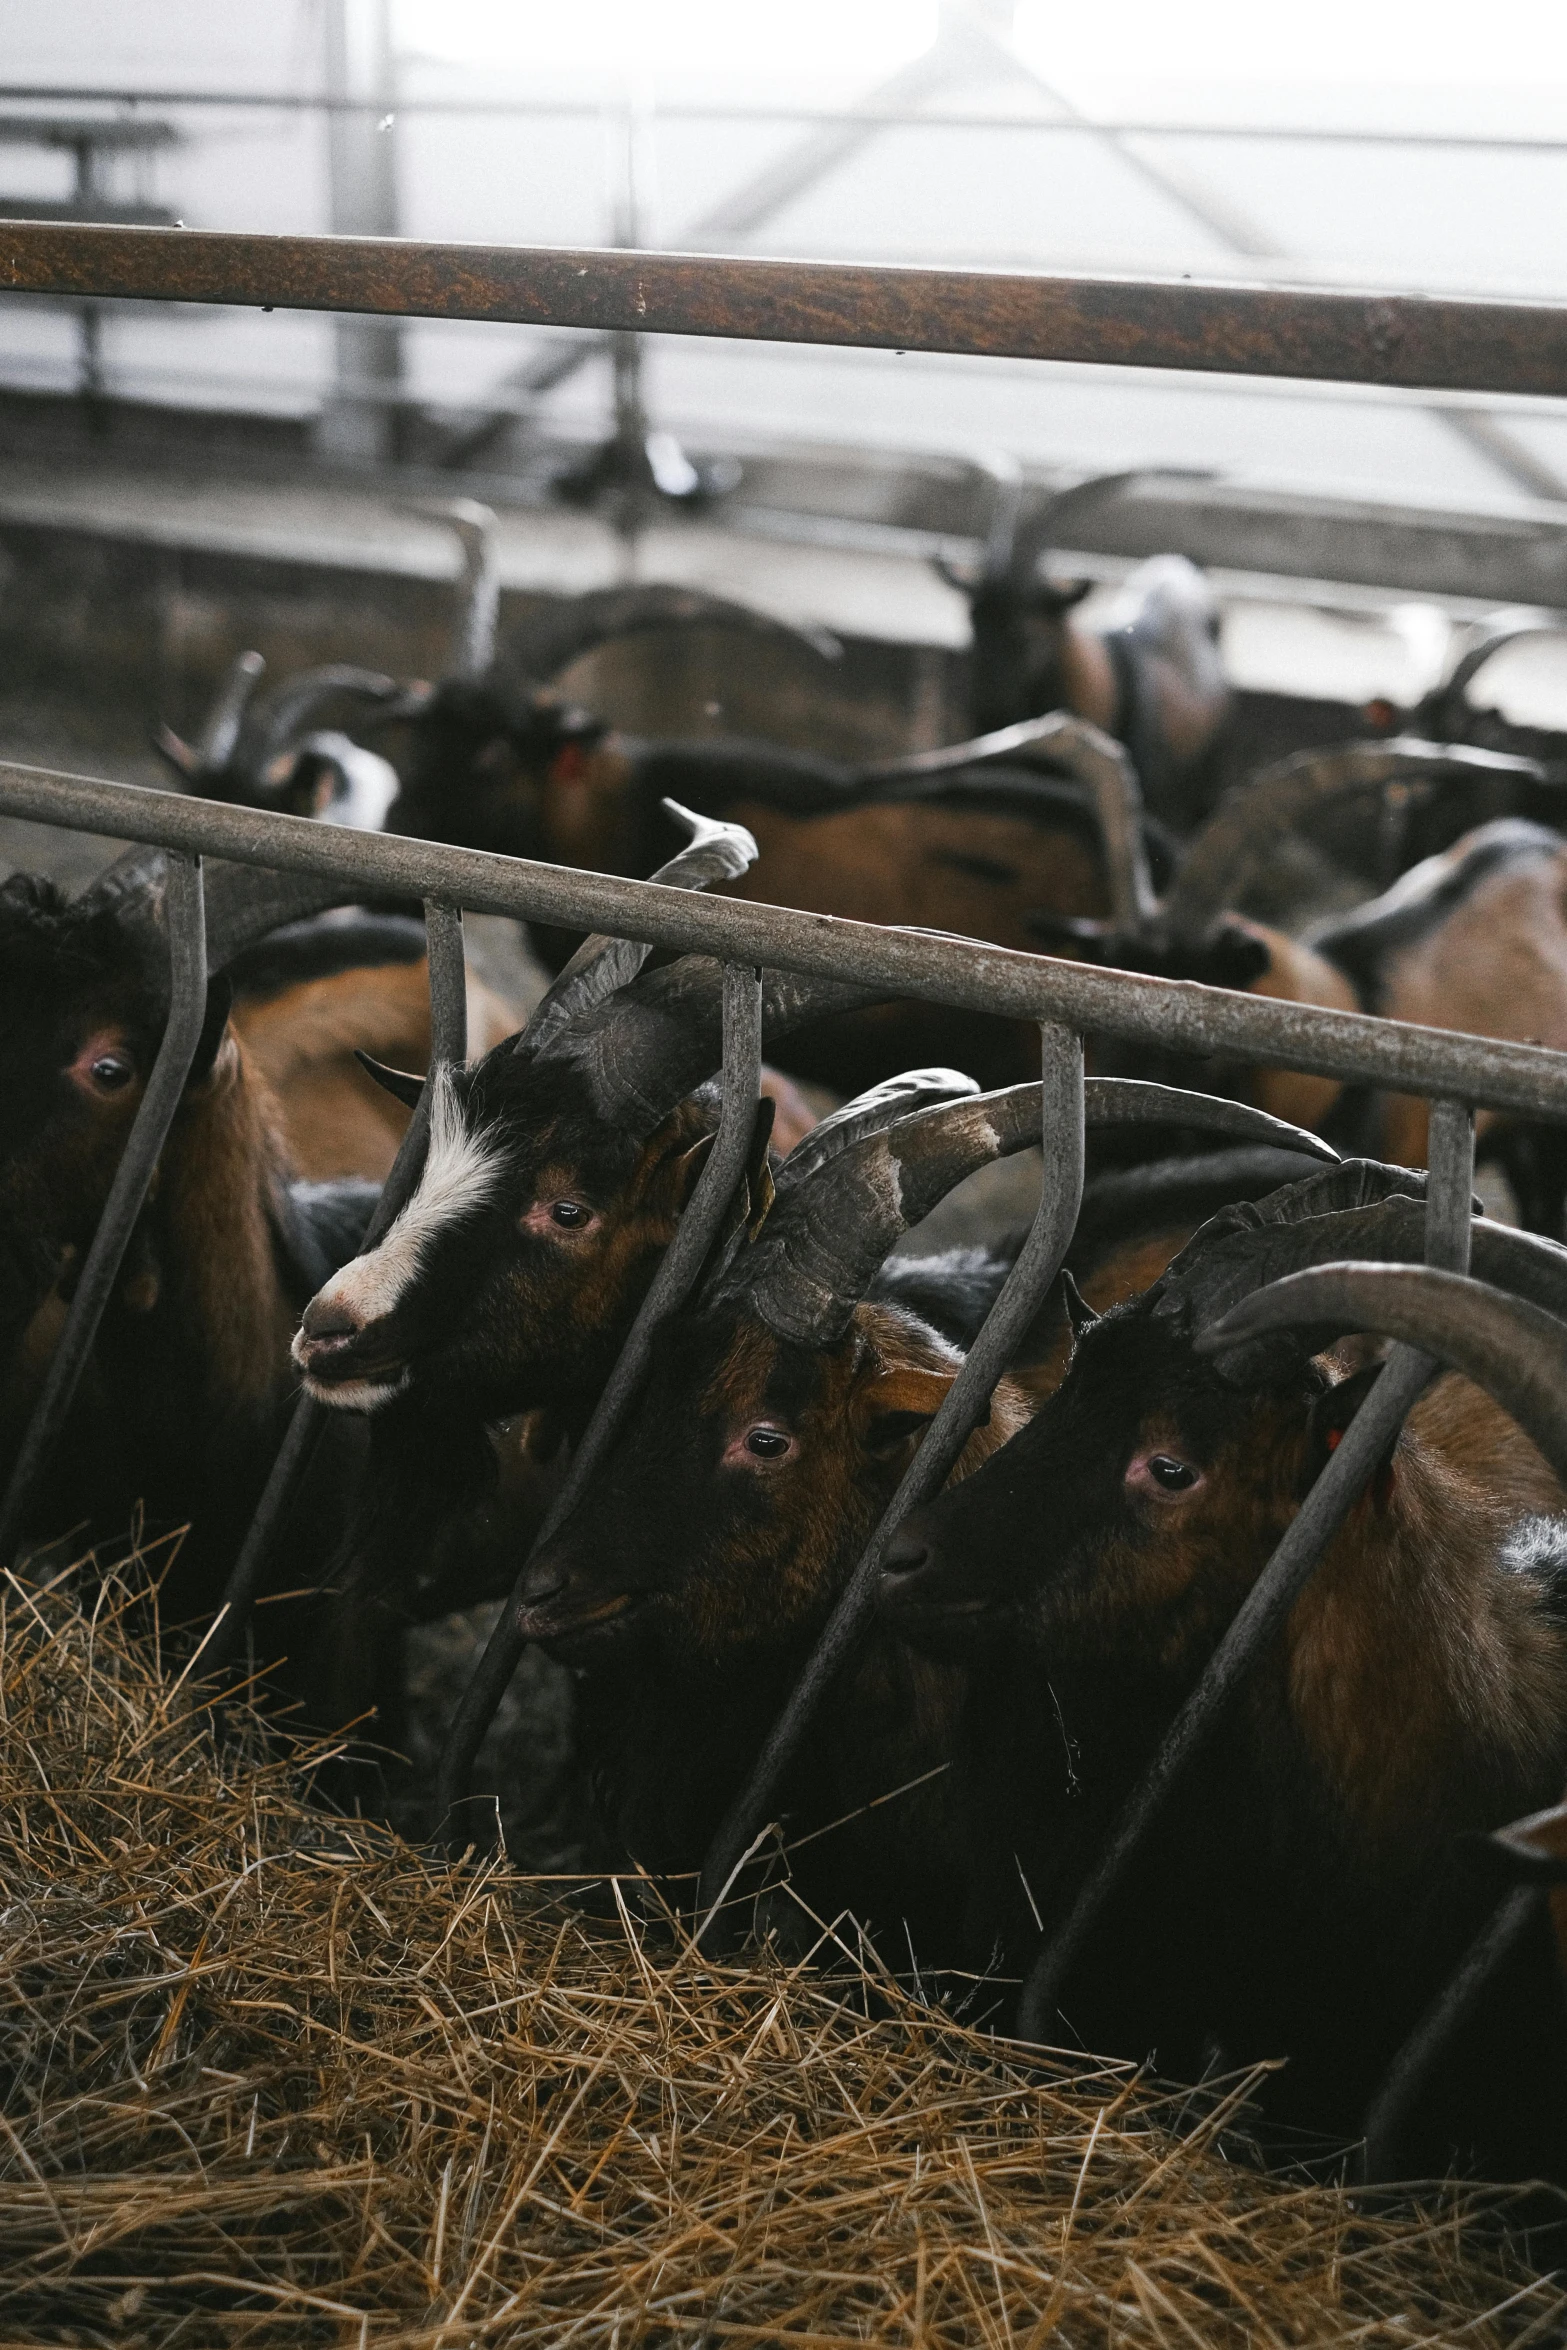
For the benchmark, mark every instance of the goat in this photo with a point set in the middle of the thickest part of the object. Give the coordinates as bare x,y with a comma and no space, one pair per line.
1299,1896
1152,676
184,1395
776,1422
311,998
1474,939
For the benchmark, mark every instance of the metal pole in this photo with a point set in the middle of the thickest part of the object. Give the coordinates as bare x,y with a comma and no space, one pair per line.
961,1412
1267,1605
682,1263
308,1420
186,915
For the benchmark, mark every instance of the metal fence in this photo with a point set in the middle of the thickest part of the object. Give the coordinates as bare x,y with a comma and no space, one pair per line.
1487,345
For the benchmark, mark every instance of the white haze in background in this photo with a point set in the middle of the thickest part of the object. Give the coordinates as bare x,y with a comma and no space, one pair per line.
833,37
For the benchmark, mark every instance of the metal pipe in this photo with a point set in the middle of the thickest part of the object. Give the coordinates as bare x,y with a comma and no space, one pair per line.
1176,1015
695,110
1388,2113
681,1264
185,910
1424,342
962,1410
1267,1605
448,985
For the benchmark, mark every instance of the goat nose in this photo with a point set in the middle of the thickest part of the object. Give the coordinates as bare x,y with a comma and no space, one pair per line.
326,1317
908,1551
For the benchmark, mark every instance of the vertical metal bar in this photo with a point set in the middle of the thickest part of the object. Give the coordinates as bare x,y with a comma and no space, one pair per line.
1268,1603
448,986
682,1262
307,1422
185,912
961,1412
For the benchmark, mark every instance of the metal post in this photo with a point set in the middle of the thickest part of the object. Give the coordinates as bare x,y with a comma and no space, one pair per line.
360,423
308,1420
1268,1603
961,1412
185,911
682,1262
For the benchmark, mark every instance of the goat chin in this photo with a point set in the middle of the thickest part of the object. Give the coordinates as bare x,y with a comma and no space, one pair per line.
356,1395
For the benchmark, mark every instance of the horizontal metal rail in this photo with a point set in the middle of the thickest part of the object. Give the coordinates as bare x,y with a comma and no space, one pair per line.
745,110
1419,342
1178,1015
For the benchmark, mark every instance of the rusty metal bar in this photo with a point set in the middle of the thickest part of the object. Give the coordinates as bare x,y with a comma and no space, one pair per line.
1178,1015
680,1266
1419,342
187,925
1266,1607
962,1409
308,1420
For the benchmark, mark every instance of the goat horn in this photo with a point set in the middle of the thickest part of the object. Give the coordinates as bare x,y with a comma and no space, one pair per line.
1132,1101
896,1097
471,650
1005,475
243,902
554,642
819,1250
1500,629
285,713
602,966
1243,833
1513,1349
1060,740
214,745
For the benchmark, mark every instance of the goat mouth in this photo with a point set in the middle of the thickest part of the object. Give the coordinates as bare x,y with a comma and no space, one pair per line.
327,1364
555,1624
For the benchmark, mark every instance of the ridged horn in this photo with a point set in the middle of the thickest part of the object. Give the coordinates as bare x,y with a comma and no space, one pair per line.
283,716
1060,740
551,643
1133,1101
1243,833
214,745
602,966
895,1097
819,1251
243,903
471,646
644,1049
1513,1349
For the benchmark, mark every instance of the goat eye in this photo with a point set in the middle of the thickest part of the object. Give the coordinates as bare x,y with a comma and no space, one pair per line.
1171,1476
109,1073
767,1444
570,1214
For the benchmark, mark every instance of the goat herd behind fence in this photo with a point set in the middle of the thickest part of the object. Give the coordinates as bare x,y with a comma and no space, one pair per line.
224,875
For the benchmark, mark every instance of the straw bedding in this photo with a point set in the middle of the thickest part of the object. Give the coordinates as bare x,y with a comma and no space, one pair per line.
275,2078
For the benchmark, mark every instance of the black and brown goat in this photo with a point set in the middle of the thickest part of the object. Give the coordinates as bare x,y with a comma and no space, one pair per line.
1151,674
184,1394
776,1422
1300,1897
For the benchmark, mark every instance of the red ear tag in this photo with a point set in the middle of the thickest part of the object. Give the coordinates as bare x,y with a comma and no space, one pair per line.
1335,1438
568,765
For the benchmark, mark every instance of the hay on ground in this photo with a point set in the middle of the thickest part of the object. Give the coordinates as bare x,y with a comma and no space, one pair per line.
274,2078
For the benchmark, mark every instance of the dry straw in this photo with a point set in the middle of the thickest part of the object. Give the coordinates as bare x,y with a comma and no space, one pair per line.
272,2079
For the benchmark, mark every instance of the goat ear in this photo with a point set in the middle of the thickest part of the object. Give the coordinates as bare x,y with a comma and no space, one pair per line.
954,575
1331,1414
220,1002
1079,1312
1054,597
1236,956
401,1084
897,1405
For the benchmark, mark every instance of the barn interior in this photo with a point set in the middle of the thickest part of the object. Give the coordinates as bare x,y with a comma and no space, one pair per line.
201,500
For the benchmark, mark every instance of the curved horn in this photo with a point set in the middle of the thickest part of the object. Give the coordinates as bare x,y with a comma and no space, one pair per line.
214,745
819,1250
284,714
243,903
552,643
896,1097
1243,833
1060,740
1499,629
602,966
471,651
1516,1351
1132,1101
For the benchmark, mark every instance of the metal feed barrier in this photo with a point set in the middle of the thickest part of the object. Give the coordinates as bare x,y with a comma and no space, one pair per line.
1385,339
